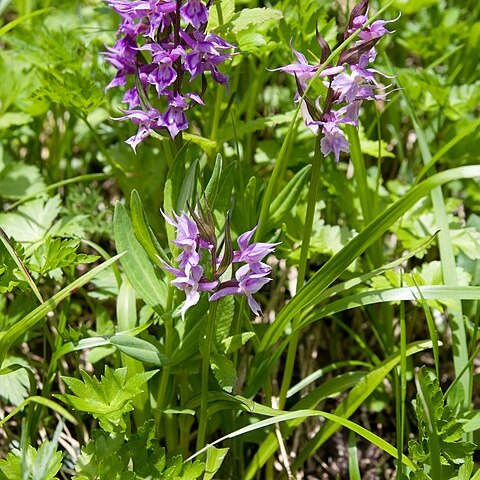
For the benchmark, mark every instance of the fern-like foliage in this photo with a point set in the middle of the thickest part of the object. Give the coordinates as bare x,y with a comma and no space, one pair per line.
108,399
112,457
440,427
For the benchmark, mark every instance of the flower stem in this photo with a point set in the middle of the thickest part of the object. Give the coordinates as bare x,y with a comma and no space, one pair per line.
205,371
162,391
302,267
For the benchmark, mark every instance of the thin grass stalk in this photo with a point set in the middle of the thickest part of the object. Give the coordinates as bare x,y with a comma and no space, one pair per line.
367,202
401,389
447,257
302,267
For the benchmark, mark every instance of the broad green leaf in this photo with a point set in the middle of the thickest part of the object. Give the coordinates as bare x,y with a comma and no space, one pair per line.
225,313
139,349
141,273
233,343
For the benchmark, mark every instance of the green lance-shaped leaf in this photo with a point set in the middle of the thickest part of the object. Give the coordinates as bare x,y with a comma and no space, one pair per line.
139,349
288,197
140,271
143,231
310,292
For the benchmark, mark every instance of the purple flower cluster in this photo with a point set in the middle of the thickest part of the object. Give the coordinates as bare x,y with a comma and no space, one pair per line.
161,42
199,268
348,83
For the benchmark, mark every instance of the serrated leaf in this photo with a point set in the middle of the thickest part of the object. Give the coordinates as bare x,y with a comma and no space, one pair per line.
254,17
233,343
224,371
32,464
107,399
32,220
57,253
18,180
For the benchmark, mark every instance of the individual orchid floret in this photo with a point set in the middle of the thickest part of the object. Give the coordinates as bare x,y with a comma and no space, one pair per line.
303,71
147,121
192,284
205,55
333,139
247,283
253,253
195,13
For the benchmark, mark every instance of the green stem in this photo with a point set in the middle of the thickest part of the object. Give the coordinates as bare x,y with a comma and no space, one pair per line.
162,391
216,113
302,267
205,371
366,199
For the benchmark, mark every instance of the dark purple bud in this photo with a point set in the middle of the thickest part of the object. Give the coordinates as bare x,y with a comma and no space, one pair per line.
324,46
227,250
352,55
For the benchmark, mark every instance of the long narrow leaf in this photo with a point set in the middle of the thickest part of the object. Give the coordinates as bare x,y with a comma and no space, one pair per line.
8,337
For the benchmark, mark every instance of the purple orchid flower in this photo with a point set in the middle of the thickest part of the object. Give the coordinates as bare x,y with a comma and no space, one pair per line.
205,54
190,274
304,71
173,32
147,121
195,13
254,252
192,284
174,119
333,140
349,83
247,283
